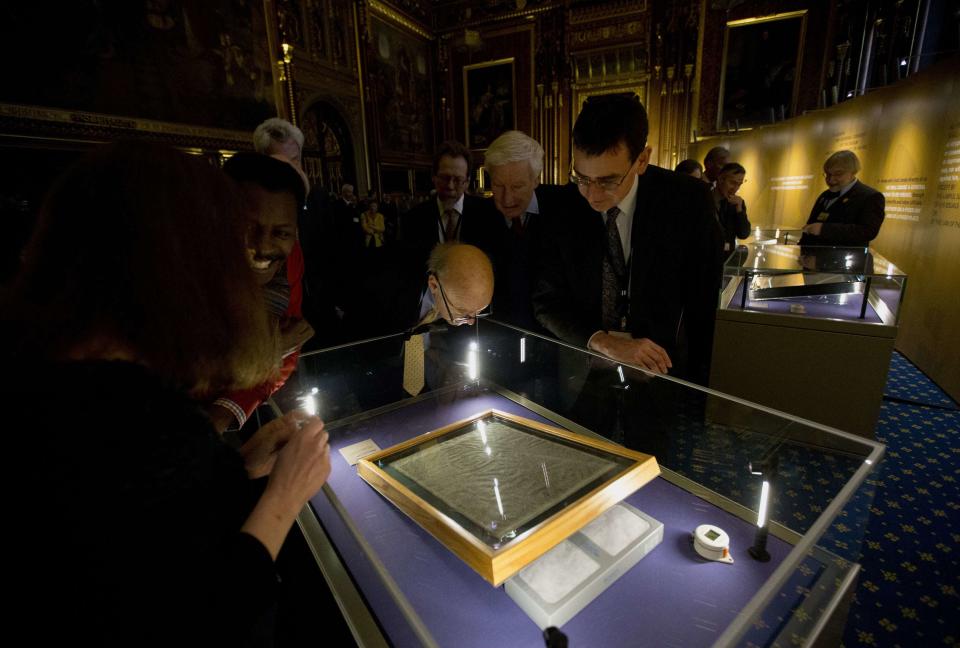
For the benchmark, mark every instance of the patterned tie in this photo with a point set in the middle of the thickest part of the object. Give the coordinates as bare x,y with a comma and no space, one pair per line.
413,350
413,364
452,218
614,273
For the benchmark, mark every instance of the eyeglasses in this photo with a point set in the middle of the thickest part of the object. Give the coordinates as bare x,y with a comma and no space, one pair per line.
610,186
464,318
733,181
445,180
836,174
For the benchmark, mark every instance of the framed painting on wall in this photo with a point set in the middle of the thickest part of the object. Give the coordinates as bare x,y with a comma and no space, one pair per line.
194,73
760,73
489,98
499,490
400,77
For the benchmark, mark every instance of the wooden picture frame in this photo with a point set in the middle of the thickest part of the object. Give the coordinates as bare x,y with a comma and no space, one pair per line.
760,70
489,101
194,74
453,501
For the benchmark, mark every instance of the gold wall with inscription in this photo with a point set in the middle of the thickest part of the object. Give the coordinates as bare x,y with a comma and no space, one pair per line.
908,139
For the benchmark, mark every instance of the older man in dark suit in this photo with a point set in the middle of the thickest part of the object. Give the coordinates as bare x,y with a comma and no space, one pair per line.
848,213
514,162
630,269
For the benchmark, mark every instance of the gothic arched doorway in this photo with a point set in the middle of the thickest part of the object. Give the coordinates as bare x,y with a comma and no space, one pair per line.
328,148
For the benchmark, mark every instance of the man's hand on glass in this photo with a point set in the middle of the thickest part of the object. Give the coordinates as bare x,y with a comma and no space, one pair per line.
643,352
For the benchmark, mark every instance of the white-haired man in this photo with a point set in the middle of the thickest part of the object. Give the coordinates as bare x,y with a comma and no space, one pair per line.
514,162
277,136
848,212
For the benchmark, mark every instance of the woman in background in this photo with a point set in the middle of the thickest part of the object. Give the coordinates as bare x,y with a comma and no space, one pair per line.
135,523
373,225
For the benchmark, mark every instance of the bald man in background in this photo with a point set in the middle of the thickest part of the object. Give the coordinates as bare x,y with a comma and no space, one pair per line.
713,162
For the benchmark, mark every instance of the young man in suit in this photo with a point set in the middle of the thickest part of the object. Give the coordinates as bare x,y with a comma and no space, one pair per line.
452,215
848,212
630,268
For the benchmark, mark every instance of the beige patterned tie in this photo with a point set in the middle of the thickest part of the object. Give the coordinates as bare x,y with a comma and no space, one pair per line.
413,350
413,364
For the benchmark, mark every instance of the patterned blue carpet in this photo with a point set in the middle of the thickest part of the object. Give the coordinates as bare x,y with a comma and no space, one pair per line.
909,588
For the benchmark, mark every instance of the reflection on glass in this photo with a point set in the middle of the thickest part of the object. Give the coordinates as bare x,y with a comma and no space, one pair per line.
533,474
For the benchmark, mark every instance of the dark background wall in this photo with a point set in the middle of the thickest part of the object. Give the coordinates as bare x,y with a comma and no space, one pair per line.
376,84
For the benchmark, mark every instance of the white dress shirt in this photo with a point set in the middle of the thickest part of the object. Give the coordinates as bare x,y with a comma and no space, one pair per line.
532,208
625,218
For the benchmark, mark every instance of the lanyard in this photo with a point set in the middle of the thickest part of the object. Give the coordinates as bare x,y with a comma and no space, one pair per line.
456,229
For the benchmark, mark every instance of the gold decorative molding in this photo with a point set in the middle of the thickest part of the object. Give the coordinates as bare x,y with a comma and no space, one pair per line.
762,19
617,10
401,19
608,33
529,14
109,124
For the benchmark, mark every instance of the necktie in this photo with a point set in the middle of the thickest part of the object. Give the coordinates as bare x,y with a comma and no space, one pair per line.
452,218
413,364
614,274
516,227
413,350
830,199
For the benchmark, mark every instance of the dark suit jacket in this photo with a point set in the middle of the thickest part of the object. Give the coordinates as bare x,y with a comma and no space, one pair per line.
733,224
675,273
419,229
853,220
514,261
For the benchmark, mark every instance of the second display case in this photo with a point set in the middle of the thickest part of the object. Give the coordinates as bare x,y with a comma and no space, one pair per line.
808,330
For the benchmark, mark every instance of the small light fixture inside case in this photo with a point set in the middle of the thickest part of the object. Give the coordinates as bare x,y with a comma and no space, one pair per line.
713,543
473,361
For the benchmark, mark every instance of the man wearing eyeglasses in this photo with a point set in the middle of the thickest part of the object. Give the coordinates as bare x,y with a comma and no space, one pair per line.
848,212
453,215
731,208
458,290
630,270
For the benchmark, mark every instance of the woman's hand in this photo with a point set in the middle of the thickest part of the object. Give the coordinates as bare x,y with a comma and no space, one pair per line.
302,466
261,450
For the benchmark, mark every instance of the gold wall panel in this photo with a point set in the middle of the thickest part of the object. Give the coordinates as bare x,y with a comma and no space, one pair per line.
908,139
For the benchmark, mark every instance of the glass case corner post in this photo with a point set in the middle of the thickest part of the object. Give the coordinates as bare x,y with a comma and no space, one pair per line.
746,286
766,469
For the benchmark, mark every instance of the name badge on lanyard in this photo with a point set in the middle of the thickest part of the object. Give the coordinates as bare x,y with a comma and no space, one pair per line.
823,217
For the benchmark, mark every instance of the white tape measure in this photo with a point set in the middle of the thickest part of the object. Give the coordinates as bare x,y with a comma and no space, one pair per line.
712,543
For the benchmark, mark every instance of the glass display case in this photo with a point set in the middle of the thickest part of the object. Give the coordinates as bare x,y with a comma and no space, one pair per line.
775,485
848,283
790,315
773,235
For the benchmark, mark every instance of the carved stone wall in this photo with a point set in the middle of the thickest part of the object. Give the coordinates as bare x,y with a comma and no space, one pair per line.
325,70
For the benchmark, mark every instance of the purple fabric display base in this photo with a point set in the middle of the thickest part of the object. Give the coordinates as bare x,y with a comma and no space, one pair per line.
817,310
670,598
